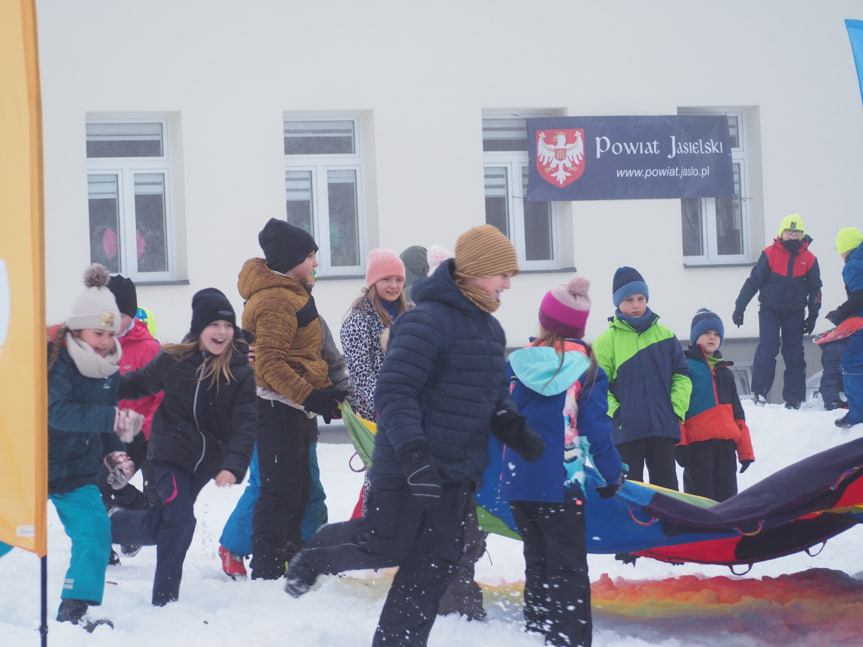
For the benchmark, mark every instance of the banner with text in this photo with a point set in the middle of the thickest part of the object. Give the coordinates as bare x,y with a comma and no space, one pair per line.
623,158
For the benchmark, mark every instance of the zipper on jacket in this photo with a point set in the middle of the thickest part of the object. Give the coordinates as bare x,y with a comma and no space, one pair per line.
195,416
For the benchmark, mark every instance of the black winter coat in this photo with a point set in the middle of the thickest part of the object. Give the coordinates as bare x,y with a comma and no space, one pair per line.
196,428
443,378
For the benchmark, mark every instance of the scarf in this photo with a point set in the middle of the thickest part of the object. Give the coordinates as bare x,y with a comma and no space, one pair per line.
641,323
479,297
88,362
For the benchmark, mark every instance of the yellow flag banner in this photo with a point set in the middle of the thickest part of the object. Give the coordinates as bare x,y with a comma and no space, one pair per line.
23,404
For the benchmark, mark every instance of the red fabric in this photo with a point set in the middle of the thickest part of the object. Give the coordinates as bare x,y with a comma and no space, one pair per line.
358,508
139,348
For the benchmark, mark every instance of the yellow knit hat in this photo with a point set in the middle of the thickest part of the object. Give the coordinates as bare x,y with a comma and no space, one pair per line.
793,221
848,238
484,251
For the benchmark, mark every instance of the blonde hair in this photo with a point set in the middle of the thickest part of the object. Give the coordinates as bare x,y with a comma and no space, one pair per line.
219,366
378,305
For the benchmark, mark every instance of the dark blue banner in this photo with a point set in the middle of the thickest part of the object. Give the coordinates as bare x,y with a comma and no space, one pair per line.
622,158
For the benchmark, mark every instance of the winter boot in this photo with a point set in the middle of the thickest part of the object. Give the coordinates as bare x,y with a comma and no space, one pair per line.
75,611
130,550
114,558
232,564
299,578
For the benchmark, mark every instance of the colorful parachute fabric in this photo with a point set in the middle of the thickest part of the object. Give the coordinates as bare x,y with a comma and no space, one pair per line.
795,509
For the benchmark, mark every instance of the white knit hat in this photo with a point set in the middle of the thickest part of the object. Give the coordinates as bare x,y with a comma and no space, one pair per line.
96,306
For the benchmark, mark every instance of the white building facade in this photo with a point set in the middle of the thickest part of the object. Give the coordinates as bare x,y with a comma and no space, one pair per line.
174,129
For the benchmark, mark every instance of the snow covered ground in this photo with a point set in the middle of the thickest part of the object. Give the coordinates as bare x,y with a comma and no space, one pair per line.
817,599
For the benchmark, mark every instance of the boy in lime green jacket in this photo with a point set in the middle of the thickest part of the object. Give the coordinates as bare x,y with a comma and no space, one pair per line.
649,382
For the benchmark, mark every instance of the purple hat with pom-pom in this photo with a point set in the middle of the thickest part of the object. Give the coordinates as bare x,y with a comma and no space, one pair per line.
565,308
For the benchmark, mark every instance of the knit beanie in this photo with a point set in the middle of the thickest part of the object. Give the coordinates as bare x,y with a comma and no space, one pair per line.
484,251
285,246
848,238
436,255
209,305
382,263
416,265
703,321
793,221
564,309
125,294
96,306
627,281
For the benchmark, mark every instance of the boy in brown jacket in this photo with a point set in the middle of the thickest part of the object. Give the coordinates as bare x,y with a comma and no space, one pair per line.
292,387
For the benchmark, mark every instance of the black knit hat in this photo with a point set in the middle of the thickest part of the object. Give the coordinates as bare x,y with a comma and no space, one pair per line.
627,281
125,294
285,246
209,305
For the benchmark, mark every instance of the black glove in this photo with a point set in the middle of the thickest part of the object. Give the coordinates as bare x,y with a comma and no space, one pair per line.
835,317
423,478
609,490
511,428
325,402
737,318
809,324
744,465
682,455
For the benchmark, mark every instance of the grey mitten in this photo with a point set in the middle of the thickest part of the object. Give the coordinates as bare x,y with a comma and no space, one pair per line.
128,424
121,468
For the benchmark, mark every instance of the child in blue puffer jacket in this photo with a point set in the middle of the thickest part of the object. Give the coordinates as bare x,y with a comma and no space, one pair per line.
558,386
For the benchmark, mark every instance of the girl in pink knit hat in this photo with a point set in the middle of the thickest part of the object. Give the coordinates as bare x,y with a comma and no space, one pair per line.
370,317
558,373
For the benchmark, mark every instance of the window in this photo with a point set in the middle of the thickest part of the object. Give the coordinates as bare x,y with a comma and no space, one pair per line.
531,226
323,180
716,230
128,194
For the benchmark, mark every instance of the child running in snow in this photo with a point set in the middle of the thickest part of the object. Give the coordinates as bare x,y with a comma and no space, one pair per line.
649,383
714,434
558,385
235,543
441,390
363,337
83,426
293,386
204,430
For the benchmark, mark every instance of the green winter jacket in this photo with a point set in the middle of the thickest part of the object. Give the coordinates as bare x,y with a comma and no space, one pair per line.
649,380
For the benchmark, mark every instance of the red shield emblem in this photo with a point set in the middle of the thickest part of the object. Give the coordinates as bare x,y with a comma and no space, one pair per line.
560,155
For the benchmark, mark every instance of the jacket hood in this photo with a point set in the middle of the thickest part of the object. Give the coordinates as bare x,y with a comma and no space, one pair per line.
540,370
256,276
138,332
441,287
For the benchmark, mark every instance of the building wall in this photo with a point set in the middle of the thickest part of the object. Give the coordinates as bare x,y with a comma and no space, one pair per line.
421,76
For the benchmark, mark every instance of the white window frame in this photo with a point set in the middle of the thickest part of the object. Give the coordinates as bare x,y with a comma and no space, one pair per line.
516,163
739,158
319,165
125,168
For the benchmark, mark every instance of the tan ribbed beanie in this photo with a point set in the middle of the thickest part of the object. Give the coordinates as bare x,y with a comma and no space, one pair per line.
484,251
